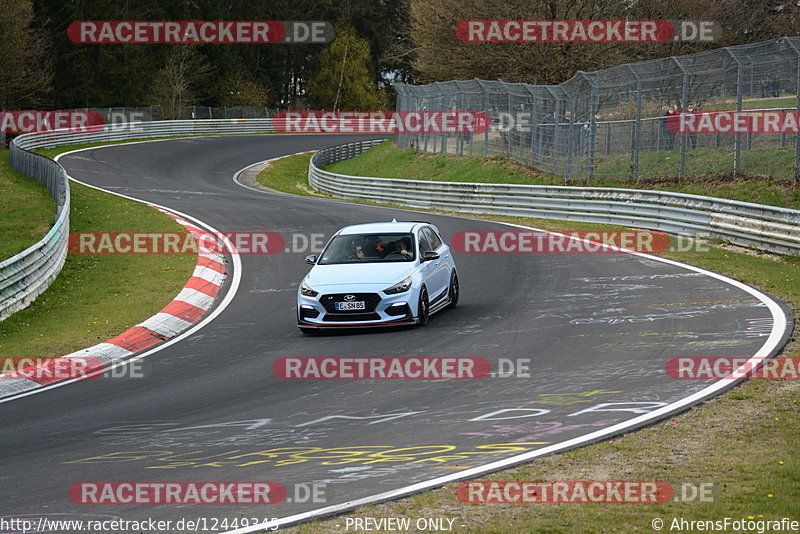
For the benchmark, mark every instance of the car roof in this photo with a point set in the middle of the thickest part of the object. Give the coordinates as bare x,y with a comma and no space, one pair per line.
380,228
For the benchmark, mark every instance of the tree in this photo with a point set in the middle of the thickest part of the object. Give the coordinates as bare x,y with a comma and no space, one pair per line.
440,55
239,89
26,78
397,58
343,81
174,85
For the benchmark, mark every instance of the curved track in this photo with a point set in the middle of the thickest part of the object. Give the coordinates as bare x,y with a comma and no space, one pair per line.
597,329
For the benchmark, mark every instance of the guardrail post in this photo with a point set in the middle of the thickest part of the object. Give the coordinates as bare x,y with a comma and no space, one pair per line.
533,123
570,135
593,107
558,113
507,136
737,137
637,126
797,135
684,108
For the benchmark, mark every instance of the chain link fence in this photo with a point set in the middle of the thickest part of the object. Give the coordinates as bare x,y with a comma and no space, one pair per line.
611,124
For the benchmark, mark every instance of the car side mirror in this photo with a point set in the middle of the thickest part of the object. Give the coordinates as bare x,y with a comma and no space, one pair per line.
429,256
312,259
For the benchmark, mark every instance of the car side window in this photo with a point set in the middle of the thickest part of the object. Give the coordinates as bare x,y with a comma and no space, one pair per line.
433,238
424,244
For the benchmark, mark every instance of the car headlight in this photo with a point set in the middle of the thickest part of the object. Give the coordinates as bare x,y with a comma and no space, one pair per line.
399,287
307,291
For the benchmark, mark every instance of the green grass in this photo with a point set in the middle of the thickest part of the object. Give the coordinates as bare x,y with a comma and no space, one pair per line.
389,161
26,210
96,297
702,164
734,441
767,103
288,175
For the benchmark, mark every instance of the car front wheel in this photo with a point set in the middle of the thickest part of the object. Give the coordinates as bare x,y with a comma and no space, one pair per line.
422,308
453,291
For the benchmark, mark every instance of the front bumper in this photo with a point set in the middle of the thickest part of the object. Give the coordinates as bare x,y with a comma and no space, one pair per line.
380,310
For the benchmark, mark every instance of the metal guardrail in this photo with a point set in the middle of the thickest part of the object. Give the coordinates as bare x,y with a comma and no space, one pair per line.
143,130
758,226
28,274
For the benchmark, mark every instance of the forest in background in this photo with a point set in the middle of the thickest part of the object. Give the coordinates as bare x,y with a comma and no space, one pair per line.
376,42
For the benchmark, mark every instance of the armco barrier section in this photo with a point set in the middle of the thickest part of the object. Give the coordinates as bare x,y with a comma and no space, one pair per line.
28,274
25,276
757,226
144,130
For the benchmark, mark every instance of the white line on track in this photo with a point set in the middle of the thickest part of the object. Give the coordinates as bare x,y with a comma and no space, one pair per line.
229,295
779,325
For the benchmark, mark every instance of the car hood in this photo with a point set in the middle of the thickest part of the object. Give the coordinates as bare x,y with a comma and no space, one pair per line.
359,273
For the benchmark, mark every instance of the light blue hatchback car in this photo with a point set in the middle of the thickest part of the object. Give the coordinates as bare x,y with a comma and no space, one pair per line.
378,274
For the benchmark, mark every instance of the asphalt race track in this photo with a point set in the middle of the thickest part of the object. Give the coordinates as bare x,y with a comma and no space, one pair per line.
597,329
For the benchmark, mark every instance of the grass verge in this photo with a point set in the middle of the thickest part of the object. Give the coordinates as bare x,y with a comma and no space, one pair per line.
389,161
744,441
26,210
97,297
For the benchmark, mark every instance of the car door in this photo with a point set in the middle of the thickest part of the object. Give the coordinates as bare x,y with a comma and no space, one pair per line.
427,269
440,270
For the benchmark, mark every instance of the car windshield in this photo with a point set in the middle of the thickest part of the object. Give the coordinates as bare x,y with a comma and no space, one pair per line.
369,248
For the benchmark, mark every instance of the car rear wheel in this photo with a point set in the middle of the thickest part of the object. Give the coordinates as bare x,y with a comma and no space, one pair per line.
453,291
422,308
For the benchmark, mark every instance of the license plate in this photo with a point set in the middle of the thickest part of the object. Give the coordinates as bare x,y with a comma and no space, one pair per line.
347,306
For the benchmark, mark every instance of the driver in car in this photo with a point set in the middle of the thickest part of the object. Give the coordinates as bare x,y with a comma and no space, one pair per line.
400,246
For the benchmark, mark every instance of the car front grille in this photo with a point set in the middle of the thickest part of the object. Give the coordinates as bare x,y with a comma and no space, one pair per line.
371,300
